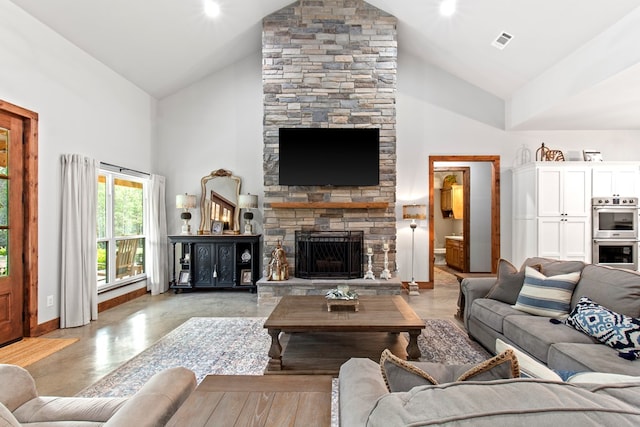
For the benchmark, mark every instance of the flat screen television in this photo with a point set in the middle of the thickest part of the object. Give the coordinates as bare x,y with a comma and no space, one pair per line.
329,157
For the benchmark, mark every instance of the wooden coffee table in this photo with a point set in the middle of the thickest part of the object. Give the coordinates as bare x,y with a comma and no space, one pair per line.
319,341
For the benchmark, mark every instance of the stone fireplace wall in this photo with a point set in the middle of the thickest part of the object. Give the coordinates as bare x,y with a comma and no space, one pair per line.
330,64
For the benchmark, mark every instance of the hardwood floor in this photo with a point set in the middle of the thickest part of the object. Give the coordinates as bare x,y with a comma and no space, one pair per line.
126,330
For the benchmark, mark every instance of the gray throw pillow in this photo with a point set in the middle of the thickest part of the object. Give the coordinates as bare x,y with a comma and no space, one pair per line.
400,375
509,281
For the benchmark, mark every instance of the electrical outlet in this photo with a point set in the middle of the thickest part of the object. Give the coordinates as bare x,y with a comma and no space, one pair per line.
50,301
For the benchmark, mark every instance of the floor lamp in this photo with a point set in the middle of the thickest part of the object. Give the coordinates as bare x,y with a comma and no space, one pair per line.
413,212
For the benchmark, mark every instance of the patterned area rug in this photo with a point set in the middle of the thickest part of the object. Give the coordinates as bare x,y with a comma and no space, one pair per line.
239,345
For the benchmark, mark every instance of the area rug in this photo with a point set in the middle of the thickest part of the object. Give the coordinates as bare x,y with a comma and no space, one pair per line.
29,350
239,346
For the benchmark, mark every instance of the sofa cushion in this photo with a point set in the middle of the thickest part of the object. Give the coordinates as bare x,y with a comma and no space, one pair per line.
509,282
618,331
595,357
401,375
614,288
535,334
546,295
554,267
509,402
66,409
492,312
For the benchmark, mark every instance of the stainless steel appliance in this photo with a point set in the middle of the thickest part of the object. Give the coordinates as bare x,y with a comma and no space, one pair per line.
615,232
620,253
615,217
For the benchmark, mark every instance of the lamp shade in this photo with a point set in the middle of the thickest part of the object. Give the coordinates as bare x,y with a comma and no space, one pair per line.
248,201
185,201
414,212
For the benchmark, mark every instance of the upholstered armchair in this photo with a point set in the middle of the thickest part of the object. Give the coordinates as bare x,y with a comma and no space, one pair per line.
153,405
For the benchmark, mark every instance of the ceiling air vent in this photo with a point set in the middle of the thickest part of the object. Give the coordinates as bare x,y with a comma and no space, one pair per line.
502,40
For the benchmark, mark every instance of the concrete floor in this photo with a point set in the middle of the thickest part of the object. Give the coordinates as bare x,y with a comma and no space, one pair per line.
124,331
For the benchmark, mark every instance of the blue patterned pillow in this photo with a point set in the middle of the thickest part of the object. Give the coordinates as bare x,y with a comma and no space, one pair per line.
546,296
618,331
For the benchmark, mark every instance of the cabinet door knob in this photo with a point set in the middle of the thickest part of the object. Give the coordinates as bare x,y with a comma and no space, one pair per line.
215,271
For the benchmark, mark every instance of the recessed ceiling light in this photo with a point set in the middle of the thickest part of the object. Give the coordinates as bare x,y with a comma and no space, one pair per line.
447,7
211,8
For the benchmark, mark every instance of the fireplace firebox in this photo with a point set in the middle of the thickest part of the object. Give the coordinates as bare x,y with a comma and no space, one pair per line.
329,254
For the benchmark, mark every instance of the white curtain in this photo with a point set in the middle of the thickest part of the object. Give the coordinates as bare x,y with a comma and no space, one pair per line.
157,261
79,288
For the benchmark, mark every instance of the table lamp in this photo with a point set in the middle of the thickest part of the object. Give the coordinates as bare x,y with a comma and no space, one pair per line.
248,202
413,212
185,201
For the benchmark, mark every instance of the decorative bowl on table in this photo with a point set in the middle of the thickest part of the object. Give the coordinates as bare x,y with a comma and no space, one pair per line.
342,297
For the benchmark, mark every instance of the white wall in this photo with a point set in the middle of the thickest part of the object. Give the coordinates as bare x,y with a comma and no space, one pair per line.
83,107
213,124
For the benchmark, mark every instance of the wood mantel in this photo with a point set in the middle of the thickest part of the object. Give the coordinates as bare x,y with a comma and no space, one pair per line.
330,205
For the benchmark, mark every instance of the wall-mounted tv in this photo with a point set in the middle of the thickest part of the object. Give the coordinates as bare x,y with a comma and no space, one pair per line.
329,157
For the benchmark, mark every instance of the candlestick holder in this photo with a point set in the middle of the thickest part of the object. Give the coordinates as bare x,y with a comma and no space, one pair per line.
386,274
369,273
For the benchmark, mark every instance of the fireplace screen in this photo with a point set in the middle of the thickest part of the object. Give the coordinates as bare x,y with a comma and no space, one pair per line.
329,254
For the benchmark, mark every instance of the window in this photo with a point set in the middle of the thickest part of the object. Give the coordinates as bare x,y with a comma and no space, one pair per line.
121,229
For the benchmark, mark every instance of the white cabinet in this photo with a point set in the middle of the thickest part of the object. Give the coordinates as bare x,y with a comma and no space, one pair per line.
615,180
563,191
552,211
564,238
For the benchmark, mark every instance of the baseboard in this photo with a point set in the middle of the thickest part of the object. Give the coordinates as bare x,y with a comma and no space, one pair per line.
53,324
421,285
46,327
114,302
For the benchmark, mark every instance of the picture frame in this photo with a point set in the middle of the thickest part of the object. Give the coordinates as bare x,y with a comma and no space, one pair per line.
592,156
246,277
184,277
217,227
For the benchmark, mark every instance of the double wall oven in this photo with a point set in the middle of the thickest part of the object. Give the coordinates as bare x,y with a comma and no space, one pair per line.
615,231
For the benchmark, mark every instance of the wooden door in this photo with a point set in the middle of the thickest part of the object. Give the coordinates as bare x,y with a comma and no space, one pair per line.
11,228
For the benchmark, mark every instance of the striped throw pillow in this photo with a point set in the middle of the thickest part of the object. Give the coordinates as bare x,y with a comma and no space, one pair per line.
547,296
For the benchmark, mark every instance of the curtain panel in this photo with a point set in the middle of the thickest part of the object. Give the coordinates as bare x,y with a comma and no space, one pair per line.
79,294
157,258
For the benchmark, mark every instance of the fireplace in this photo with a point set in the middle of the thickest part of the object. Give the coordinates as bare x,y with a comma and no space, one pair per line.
329,254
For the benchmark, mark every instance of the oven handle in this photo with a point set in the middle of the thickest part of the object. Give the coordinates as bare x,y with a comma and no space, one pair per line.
625,240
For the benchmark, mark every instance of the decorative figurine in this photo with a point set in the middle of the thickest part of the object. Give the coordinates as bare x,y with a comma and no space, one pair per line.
278,268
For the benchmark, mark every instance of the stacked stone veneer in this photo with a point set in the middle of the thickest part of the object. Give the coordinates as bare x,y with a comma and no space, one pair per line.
330,64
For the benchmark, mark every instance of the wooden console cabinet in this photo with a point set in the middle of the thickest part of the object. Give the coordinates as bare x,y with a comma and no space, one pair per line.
212,261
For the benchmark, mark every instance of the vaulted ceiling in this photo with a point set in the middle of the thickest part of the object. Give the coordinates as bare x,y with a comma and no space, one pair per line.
163,46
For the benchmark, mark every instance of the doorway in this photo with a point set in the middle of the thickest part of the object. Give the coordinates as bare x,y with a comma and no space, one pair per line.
451,215
492,245
18,223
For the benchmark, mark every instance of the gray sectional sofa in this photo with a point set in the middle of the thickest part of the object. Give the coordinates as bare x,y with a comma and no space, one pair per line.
365,401
562,348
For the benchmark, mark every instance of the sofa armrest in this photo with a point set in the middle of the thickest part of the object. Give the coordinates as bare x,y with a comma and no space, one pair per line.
18,386
472,289
156,402
361,384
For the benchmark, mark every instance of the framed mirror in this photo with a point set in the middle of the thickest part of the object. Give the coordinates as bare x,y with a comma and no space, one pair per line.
219,201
